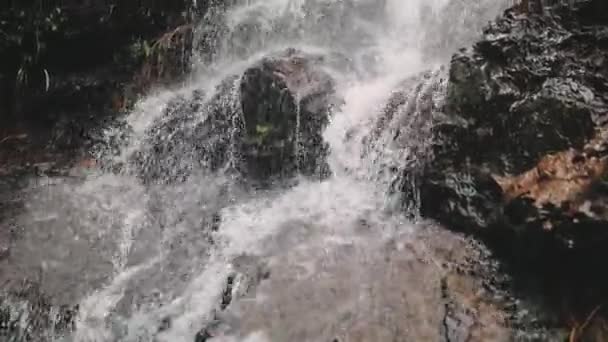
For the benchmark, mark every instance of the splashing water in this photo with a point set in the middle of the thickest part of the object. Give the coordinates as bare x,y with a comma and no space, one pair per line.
153,261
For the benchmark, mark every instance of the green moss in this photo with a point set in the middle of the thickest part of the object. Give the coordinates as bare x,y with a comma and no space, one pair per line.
263,130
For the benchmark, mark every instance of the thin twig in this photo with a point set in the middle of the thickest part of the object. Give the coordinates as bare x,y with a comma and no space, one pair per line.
572,337
590,317
16,136
575,330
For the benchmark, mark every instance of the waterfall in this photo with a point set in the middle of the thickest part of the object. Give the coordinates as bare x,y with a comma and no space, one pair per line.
171,242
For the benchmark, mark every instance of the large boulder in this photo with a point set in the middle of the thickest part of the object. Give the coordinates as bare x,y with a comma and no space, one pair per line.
265,123
532,87
519,158
286,104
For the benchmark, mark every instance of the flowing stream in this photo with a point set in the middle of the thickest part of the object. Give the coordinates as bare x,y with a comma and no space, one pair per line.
209,257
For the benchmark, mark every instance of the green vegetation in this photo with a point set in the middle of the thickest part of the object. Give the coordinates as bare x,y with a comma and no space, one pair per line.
41,41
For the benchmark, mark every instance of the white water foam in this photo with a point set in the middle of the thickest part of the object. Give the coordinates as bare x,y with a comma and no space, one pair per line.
168,268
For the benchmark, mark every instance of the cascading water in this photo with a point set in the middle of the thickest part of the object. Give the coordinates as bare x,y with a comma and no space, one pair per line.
171,244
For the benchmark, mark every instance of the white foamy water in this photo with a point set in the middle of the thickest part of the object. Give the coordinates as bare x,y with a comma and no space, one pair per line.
151,262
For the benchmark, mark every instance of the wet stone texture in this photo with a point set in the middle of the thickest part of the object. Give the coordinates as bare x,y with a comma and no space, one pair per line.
519,157
265,122
434,286
286,105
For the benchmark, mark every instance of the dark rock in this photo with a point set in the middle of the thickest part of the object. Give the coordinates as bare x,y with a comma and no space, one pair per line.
227,295
519,152
295,304
265,124
466,198
165,324
286,105
529,88
203,336
401,137
195,133
27,314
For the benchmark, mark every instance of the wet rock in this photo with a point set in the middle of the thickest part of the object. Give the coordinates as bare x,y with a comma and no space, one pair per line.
466,198
468,316
265,123
227,295
165,324
249,272
194,133
369,291
286,104
400,141
530,88
563,195
203,336
27,314
519,152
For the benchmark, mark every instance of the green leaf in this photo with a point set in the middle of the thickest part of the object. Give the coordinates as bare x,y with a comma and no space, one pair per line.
263,129
147,49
